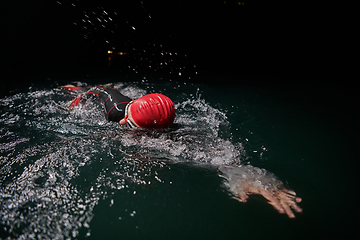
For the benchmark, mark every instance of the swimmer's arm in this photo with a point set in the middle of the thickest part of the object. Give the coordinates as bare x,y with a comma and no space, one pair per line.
75,102
70,87
282,200
244,181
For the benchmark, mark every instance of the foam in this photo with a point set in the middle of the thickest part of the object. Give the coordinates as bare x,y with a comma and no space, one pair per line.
238,178
44,148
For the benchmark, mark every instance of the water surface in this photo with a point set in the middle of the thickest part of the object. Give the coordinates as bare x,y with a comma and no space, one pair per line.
71,174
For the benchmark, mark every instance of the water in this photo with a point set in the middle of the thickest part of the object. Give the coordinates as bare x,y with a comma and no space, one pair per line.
74,175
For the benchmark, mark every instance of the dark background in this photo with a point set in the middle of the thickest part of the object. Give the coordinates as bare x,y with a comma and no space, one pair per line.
261,38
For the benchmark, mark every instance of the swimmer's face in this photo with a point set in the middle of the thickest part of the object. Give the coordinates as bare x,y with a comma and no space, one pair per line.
129,121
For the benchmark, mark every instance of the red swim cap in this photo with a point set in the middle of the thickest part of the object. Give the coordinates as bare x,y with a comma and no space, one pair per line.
153,111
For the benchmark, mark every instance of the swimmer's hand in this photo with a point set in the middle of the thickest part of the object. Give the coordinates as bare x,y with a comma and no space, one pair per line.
282,200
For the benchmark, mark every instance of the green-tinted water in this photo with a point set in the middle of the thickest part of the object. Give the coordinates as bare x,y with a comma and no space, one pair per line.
73,175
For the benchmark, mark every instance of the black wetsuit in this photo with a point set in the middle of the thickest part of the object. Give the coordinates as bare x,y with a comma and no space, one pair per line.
114,101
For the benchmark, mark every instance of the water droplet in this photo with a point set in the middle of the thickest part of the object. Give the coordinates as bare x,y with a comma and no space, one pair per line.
133,213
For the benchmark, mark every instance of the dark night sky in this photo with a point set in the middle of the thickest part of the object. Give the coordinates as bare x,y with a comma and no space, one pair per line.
258,35
261,38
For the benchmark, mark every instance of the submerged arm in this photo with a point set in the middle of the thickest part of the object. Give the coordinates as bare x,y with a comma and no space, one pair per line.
243,181
83,91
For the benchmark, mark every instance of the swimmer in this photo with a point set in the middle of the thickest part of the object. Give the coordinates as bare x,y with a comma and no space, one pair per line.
156,111
152,111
